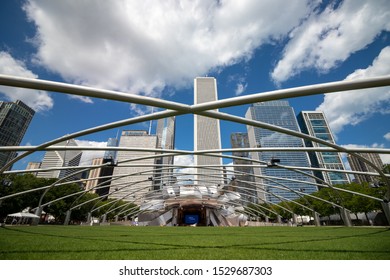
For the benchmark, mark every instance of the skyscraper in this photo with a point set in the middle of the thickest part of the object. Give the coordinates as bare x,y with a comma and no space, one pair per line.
315,124
281,114
61,159
15,118
359,165
94,173
33,165
243,172
207,134
103,173
110,154
132,183
165,140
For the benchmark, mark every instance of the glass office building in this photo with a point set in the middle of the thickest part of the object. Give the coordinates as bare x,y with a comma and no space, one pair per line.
15,117
111,154
314,124
243,169
276,180
165,140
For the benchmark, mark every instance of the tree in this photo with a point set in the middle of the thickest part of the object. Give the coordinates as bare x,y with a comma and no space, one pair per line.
81,213
323,208
354,202
87,201
12,184
386,168
255,209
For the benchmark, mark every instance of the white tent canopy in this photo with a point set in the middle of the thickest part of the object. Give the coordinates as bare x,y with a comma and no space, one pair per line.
23,215
21,218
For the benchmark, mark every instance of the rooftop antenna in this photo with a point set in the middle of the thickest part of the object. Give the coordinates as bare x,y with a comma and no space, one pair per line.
151,122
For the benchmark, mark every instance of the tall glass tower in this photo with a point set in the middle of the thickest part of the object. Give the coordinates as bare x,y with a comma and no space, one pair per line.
165,140
243,169
104,174
314,124
272,179
111,154
206,133
15,117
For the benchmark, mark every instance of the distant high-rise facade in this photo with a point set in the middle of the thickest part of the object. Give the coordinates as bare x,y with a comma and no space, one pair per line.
243,169
99,178
281,114
94,174
207,135
165,140
359,165
33,165
15,117
315,124
105,178
64,158
111,154
133,183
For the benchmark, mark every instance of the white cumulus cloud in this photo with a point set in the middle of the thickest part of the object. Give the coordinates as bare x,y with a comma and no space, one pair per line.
240,88
145,46
387,136
37,99
327,38
353,107
184,160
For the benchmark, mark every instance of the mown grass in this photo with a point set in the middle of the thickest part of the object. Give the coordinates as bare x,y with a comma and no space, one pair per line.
193,243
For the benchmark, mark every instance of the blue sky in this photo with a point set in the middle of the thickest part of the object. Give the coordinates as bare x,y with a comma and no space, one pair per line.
158,49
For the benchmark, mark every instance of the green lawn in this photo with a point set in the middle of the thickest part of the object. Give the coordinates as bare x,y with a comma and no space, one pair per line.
220,243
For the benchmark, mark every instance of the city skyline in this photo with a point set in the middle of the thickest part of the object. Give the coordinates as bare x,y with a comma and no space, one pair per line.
91,155
244,61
